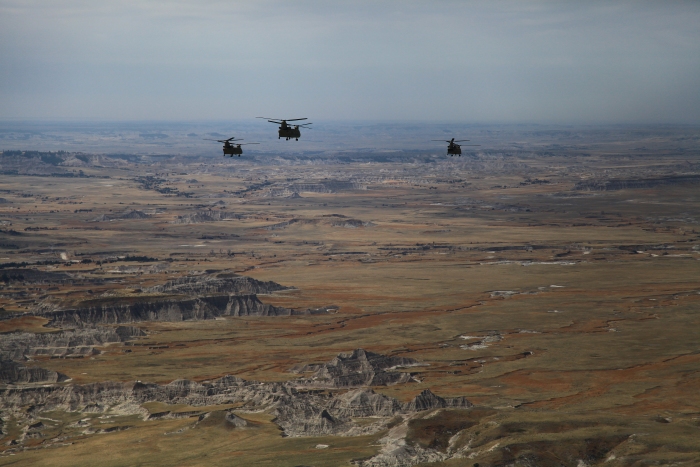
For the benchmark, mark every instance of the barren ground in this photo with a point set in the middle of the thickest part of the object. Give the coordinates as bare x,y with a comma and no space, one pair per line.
567,315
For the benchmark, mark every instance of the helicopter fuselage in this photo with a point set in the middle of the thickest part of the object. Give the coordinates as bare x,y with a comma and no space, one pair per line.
454,149
231,150
288,132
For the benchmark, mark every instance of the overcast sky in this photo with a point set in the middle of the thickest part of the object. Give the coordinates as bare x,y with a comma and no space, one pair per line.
461,61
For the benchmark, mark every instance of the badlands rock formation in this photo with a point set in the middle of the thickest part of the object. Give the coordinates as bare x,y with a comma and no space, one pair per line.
187,298
169,309
297,412
206,216
231,284
16,373
64,343
359,368
327,399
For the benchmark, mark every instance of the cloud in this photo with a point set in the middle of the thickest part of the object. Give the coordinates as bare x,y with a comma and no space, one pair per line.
446,60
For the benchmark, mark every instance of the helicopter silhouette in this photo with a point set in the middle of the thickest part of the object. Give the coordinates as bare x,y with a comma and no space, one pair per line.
454,148
288,131
230,148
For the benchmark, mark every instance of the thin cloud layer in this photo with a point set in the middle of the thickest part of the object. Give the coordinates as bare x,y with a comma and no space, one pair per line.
482,62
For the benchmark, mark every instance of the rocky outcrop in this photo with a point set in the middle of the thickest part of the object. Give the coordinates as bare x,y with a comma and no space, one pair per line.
426,400
69,343
299,416
359,368
16,373
133,214
206,216
342,222
139,309
397,452
364,403
234,420
218,418
285,224
400,454
352,223
226,283
187,298
100,397
168,415
297,412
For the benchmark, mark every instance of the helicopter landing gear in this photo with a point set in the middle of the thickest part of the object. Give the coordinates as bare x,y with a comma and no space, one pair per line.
297,139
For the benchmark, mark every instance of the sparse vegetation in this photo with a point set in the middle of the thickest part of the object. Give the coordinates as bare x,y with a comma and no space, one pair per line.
567,316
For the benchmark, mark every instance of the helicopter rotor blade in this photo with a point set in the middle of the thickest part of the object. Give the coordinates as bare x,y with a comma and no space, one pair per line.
223,140
280,120
451,140
243,144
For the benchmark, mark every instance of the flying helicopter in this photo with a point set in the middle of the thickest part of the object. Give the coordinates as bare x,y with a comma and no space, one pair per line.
288,131
454,148
231,148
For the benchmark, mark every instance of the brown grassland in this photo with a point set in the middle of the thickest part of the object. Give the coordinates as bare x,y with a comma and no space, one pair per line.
569,317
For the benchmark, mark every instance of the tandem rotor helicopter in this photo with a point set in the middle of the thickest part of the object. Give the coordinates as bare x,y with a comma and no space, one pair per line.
230,148
288,131
454,148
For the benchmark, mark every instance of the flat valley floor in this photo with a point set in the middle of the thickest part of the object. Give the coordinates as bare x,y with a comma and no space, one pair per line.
556,287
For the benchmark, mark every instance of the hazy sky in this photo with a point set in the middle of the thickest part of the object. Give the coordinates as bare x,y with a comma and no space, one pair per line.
463,61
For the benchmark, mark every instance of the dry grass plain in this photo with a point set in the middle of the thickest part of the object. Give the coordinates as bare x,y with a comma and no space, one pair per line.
568,317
